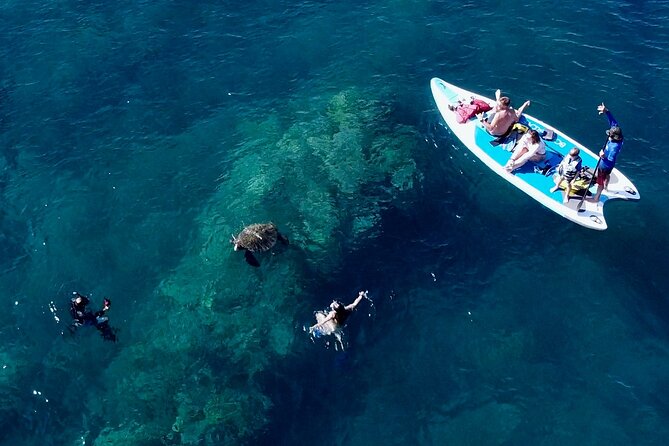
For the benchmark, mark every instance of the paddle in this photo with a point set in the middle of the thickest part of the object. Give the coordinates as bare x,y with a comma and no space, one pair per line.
599,159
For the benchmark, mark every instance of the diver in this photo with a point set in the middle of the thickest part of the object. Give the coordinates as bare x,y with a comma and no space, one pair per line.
83,316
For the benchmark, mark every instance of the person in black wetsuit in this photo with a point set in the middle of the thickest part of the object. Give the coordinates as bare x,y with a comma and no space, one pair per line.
339,312
83,316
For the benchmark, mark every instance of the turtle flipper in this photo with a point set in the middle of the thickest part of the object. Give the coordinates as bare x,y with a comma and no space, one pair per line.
250,258
280,237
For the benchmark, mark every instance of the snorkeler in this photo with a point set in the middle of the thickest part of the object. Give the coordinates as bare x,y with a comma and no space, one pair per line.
336,317
83,316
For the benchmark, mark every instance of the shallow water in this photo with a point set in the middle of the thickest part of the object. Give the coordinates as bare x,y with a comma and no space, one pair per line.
138,137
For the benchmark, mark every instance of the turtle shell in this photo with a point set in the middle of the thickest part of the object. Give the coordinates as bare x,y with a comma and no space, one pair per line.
258,237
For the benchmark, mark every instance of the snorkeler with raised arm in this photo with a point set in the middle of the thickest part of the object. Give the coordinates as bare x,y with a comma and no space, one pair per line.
331,322
81,315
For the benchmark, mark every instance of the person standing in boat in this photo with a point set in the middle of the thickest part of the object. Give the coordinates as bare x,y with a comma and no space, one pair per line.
608,155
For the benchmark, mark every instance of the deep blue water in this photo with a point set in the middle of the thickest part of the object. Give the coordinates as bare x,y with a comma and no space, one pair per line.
137,137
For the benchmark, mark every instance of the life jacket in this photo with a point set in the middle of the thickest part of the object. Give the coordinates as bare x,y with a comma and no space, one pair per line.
579,185
465,111
520,128
568,168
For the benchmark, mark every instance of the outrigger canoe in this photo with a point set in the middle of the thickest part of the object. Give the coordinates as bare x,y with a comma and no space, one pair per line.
535,179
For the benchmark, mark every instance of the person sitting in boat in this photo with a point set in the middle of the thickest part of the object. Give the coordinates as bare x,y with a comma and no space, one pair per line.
607,156
337,315
499,121
530,148
567,171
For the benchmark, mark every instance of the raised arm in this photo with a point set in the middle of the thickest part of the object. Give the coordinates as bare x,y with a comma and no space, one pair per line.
522,108
612,121
361,295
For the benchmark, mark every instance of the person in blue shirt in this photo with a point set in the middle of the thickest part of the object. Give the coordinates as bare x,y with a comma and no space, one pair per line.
609,154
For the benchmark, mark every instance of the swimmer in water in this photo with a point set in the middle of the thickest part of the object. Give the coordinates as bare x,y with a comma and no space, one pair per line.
332,321
81,316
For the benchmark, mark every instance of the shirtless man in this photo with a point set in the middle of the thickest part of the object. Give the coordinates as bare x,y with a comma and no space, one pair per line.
504,116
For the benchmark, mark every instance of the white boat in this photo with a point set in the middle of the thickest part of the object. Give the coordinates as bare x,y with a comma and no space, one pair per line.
536,180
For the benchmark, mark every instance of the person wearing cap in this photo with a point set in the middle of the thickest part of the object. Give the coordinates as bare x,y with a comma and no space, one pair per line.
607,156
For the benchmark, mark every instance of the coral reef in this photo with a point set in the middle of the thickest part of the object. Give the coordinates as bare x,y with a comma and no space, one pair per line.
214,325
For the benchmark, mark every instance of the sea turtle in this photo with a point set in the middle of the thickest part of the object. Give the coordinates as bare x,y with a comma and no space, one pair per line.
258,237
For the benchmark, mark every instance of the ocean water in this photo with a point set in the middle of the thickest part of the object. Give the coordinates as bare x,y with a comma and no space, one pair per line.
137,137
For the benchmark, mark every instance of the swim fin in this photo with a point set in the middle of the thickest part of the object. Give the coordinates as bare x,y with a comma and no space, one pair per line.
251,259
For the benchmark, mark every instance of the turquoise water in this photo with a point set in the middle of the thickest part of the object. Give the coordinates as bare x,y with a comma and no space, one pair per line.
137,137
